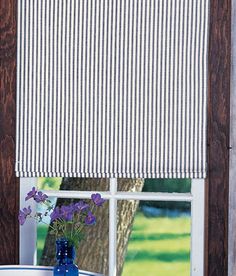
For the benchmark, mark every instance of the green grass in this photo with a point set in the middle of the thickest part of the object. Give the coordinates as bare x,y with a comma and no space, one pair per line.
157,247
150,268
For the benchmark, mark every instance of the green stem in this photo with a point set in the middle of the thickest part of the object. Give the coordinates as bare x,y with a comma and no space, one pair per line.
43,222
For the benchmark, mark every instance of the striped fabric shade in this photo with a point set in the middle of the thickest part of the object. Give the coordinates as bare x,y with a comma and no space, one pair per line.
112,88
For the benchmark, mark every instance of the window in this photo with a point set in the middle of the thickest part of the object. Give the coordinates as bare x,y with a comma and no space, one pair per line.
190,229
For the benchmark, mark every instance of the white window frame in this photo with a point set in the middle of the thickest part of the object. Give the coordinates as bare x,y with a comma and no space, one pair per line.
28,233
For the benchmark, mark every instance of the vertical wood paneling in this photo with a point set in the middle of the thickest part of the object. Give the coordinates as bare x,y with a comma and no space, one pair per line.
232,171
9,184
218,136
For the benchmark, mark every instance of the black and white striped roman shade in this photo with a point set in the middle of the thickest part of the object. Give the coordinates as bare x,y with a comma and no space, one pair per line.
112,88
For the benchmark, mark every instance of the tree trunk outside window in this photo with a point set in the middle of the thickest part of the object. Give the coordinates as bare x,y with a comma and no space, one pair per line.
92,254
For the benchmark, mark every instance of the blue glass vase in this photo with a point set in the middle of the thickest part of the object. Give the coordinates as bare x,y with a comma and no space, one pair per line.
65,255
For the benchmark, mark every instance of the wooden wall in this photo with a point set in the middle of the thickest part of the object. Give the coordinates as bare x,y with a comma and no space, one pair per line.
232,167
9,185
218,137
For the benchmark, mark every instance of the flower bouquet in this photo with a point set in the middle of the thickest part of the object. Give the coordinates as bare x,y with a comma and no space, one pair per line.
67,222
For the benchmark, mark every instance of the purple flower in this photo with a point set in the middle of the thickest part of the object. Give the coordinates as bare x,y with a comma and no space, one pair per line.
56,214
23,215
80,206
67,212
31,194
90,219
40,197
37,196
97,199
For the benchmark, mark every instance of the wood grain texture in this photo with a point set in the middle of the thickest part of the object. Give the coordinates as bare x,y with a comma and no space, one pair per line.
9,185
232,170
218,136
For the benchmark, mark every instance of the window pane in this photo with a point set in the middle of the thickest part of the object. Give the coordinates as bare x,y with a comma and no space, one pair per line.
159,239
73,184
92,253
155,185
